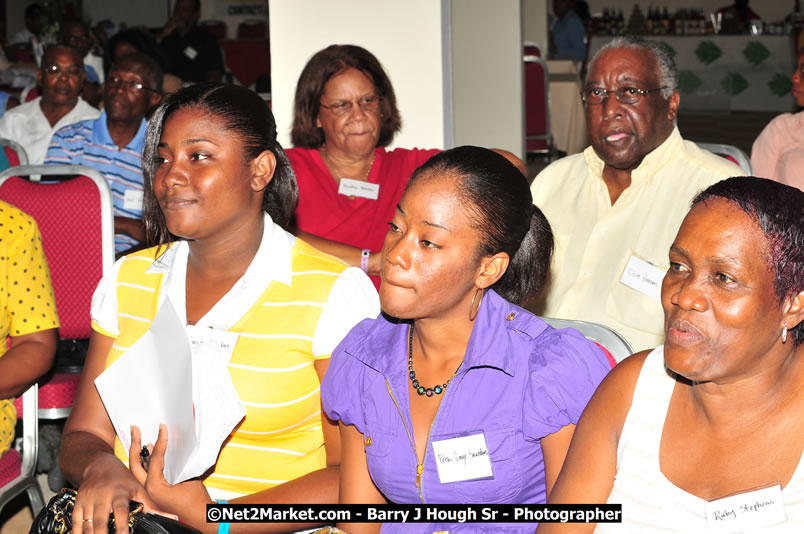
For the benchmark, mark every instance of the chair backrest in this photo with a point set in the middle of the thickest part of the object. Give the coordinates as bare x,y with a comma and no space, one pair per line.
215,27
252,29
76,221
532,48
538,134
731,153
21,53
29,93
14,152
601,334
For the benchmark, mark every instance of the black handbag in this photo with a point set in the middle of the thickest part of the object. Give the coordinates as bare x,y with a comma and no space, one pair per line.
57,518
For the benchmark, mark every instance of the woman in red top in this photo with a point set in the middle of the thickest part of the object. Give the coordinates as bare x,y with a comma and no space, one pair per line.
345,115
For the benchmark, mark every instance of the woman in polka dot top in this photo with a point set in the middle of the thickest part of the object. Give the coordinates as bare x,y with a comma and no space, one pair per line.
27,313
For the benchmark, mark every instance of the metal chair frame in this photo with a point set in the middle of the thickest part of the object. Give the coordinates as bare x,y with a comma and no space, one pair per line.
26,481
21,154
729,150
615,343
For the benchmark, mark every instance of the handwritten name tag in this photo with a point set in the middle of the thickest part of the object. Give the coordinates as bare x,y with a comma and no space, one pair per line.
462,458
749,511
215,346
644,277
356,188
133,199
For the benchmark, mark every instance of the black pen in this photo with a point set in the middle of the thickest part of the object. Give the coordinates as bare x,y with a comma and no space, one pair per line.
145,457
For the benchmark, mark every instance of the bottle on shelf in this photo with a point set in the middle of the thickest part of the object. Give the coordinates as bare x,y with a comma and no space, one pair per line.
678,22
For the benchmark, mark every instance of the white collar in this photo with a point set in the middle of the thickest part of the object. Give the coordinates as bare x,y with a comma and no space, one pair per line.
271,262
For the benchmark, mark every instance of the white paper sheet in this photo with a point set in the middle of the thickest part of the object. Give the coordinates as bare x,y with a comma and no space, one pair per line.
160,379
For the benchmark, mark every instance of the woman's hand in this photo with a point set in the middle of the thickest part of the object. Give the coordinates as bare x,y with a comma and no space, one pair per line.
107,488
186,499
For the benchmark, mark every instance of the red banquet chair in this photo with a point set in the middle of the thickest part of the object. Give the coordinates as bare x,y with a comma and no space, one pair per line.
215,27
76,221
14,152
532,48
17,468
252,29
538,133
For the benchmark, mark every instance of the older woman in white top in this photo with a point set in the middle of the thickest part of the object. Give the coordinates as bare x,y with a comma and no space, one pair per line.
705,433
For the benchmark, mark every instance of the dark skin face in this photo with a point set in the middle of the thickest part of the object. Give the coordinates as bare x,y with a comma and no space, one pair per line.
61,77
77,36
126,104
562,7
430,268
622,134
202,182
185,15
722,315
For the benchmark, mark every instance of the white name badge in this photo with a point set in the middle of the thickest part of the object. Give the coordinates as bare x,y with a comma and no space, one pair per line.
190,52
133,199
215,346
357,188
462,458
749,511
644,277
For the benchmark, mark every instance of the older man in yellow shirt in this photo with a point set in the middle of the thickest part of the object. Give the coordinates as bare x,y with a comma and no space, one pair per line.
615,209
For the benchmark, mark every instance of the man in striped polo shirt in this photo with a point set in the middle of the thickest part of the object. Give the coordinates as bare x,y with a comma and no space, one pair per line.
113,142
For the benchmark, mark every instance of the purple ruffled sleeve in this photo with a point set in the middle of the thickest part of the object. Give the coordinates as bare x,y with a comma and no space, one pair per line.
565,369
341,388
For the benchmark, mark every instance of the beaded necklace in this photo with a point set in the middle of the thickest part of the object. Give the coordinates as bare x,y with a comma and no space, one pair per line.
421,390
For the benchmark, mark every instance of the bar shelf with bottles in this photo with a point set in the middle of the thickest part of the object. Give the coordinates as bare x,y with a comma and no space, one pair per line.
686,21
722,65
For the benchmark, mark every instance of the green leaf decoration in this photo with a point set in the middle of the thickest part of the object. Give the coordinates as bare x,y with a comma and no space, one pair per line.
756,52
781,85
708,52
670,49
688,82
734,84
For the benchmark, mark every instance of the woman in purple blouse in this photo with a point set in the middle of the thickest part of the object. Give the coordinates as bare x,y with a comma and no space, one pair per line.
455,394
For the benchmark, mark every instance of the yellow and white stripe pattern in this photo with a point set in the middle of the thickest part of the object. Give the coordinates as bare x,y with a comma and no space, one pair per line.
272,369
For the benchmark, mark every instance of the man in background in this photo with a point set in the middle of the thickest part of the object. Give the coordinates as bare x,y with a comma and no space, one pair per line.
61,78
193,54
615,209
75,33
113,142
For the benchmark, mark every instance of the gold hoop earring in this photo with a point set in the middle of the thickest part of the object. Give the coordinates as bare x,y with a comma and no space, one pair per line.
472,310
784,333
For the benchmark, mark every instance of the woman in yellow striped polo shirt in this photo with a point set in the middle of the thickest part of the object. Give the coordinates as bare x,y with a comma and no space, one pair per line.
216,178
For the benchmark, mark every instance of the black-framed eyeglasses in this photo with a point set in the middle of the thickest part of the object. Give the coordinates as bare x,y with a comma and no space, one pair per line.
56,70
625,95
367,104
132,86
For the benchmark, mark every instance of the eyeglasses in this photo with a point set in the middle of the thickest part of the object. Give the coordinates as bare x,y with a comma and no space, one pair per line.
368,104
56,70
625,95
132,86
73,40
